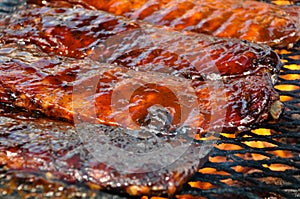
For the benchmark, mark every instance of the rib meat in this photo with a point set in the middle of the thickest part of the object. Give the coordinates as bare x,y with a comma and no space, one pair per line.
69,88
55,150
154,84
250,20
65,88
243,70
104,37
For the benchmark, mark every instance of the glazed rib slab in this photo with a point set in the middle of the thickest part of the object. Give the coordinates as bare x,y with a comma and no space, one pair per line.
246,69
41,71
255,21
54,150
104,37
38,82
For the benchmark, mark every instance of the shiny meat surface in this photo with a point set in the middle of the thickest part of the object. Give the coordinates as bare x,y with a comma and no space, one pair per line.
36,81
64,87
155,89
249,20
104,37
54,150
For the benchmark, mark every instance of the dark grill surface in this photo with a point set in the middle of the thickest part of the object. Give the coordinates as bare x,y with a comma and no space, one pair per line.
7,6
263,163
274,176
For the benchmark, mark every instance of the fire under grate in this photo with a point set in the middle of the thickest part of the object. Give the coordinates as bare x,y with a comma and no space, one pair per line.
262,163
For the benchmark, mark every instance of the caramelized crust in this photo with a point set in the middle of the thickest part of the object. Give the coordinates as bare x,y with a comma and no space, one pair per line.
239,73
197,83
250,20
110,39
53,150
84,90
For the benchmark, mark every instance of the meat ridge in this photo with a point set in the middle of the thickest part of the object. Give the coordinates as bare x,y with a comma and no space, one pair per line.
62,87
99,35
255,21
54,149
48,77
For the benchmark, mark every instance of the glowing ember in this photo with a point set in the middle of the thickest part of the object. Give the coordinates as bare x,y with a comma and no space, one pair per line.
283,2
212,171
146,197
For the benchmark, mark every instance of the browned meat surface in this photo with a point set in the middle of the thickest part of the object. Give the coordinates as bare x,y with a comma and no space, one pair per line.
75,32
250,20
55,150
61,87
155,88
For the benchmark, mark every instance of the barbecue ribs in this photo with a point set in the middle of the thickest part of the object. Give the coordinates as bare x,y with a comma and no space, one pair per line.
131,82
245,69
250,20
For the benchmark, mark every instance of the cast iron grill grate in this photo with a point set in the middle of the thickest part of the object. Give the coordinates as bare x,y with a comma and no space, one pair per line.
277,174
263,163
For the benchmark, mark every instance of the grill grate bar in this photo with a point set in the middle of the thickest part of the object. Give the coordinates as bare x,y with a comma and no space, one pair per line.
294,82
234,192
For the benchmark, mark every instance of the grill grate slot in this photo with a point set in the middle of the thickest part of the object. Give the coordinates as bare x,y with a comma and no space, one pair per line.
271,177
